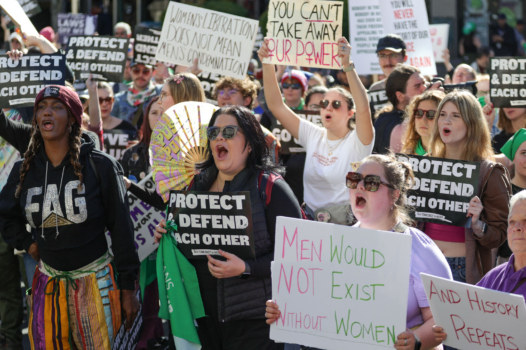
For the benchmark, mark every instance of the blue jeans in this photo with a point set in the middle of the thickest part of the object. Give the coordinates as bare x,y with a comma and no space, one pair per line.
458,268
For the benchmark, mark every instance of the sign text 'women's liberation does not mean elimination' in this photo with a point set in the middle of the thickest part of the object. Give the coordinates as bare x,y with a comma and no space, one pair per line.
337,285
304,33
222,42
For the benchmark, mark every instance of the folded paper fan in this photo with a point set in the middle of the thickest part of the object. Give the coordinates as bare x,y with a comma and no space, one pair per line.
178,145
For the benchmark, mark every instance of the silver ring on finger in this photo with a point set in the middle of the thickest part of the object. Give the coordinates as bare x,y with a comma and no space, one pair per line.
405,342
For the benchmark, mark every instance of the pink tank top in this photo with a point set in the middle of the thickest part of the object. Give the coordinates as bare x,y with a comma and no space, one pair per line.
446,233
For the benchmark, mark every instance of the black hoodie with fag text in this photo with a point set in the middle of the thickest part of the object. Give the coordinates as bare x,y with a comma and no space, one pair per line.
67,223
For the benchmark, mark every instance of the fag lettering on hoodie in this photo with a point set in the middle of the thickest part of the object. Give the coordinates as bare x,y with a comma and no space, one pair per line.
51,204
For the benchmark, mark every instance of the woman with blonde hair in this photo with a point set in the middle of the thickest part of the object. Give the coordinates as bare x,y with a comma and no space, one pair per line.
461,133
421,111
181,87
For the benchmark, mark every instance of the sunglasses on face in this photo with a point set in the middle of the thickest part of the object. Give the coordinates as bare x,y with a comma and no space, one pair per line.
391,55
137,70
294,86
224,93
335,104
371,182
228,132
419,113
106,99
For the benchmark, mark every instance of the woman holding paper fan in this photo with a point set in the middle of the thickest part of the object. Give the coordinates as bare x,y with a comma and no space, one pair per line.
69,193
234,291
421,111
461,133
181,87
377,194
330,150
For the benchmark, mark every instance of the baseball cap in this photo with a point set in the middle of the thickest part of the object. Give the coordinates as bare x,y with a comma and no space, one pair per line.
391,42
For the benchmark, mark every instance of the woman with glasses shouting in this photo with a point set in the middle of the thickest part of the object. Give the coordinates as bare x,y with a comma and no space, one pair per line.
106,101
377,194
330,150
234,291
421,112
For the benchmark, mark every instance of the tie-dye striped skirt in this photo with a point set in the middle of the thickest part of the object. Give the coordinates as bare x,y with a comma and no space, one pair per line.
70,312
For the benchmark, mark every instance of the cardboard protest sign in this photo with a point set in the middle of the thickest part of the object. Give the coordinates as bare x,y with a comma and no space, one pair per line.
18,16
442,190
338,285
409,20
208,81
508,77
22,80
288,143
304,33
116,141
222,42
365,25
75,24
377,100
102,56
439,38
145,47
30,7
144,218
476,318
208,221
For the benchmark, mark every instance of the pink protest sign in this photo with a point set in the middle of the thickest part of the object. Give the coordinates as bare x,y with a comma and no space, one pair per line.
304,33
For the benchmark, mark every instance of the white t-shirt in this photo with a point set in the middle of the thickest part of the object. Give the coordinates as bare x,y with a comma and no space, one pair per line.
324,175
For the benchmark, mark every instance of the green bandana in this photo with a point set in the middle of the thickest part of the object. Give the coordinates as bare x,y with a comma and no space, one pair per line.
419,150
513,144
300,106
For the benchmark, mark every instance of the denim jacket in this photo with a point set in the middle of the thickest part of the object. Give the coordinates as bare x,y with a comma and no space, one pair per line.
123,110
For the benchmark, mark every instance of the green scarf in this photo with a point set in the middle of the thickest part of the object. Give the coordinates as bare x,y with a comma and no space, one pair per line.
419,150
300,106
136,97
179,295
147,272
513,144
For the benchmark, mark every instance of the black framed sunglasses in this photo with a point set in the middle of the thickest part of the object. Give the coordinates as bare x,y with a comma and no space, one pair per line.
335,104
371,182
295,86
228,132
419,113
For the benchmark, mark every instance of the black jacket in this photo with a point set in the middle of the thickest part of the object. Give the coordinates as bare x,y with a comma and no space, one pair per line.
383,127
234,298
69,224
509,46
136,161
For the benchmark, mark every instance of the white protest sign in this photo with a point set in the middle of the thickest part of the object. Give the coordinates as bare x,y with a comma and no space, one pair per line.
408,18
222,42
365,25
474,317
338,285
304,33
18,16
144,219
439,38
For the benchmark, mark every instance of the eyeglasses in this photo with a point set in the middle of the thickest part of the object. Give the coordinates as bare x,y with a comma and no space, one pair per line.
106,99
314,107
294,86
229,93
137,70
228,132
419,113
391,55
335,104
371,182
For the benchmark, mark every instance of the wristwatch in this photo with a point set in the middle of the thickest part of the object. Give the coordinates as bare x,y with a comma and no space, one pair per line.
245,274
484,230
349,68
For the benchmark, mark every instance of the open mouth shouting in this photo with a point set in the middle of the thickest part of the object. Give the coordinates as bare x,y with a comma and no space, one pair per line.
360,201
47,125
221,152
446,131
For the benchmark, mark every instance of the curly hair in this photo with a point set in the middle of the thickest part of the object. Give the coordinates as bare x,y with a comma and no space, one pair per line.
37,141
401,177
246,87
411,137
478,139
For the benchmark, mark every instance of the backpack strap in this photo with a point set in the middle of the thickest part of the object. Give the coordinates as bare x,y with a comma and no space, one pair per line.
521,282
265,183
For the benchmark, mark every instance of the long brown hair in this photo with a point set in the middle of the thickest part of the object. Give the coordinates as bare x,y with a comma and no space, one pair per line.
504,123
411,137
146,130
37,141
478,139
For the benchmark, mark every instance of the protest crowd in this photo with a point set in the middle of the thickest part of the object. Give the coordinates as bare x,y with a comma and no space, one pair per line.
183,187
